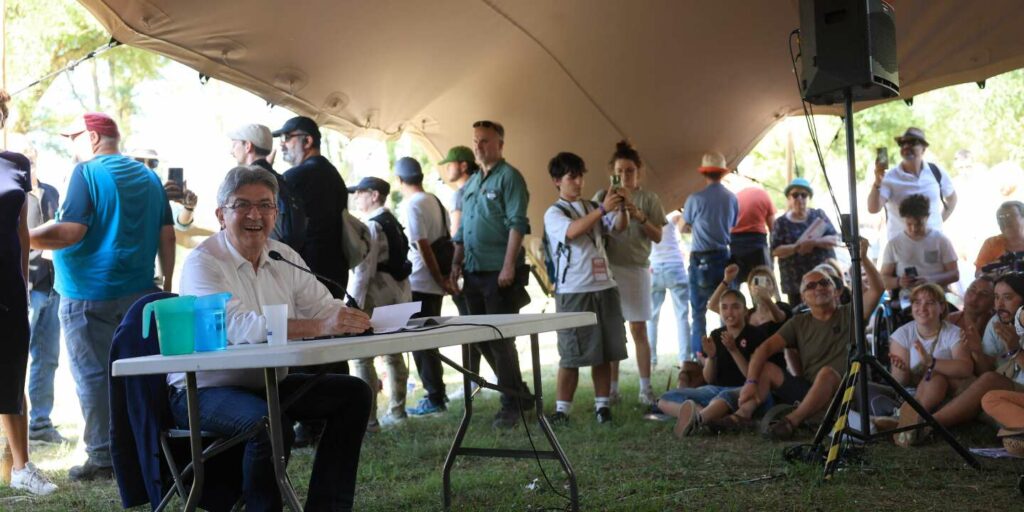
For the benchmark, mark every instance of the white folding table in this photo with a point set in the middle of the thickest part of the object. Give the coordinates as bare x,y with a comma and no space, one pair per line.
451,331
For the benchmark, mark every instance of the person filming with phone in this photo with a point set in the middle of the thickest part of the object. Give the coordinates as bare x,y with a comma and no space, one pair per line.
919,254
912,176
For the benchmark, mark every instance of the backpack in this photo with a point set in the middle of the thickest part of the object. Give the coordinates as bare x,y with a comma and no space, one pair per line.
398,264
551,260
444,248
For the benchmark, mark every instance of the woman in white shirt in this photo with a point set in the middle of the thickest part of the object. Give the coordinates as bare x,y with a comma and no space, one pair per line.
927,354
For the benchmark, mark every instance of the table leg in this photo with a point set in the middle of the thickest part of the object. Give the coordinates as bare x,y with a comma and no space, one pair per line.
449,461
196,441
277,442
538,392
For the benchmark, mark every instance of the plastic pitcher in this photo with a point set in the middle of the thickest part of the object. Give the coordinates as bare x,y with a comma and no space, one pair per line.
174,324
211,330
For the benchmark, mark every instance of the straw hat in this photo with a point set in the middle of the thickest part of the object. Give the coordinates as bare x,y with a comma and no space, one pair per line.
1013,441
713,162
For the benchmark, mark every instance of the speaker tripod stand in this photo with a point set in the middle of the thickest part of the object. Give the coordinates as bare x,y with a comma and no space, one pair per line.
855,382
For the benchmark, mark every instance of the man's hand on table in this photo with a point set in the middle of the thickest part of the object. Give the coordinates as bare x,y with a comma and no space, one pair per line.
347,321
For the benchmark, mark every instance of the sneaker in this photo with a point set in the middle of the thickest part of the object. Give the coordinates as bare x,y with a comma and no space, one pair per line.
506,419
604,415
647,397
426,407
558,418
373,427
47,435
391,419
90,471
32,480
689,419
614,398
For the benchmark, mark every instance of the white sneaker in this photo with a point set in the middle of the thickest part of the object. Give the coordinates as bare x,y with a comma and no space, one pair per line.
647,397
32,480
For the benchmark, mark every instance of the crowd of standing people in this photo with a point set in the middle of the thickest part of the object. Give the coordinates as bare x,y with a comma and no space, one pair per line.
616,255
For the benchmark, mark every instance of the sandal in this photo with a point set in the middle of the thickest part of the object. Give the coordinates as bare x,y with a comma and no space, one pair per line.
781,430
730,423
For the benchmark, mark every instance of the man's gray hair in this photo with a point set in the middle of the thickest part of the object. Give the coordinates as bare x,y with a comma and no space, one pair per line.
245,175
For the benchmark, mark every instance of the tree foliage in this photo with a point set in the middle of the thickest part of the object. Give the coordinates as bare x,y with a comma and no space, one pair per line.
43,37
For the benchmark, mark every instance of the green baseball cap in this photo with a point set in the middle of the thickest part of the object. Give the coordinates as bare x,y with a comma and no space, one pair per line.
458,154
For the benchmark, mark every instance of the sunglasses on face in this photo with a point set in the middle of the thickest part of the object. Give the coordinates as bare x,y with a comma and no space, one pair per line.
910,143
799,195
813,285
286,136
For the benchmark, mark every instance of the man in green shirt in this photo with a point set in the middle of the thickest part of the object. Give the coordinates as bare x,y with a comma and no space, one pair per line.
490,257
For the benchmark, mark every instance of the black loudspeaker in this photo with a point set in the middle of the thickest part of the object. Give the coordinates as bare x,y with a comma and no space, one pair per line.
847,44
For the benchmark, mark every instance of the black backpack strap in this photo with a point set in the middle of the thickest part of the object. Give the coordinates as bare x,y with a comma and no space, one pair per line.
938,179
444,216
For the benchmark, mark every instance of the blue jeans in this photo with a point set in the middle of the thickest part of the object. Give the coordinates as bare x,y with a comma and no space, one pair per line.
707,269
342,400
703,395
44,348
89,327
671,277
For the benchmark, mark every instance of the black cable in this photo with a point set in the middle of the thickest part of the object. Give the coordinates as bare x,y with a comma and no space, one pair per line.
536,456
811,127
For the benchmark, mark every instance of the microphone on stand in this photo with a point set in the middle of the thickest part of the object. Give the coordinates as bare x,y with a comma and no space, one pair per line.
276,256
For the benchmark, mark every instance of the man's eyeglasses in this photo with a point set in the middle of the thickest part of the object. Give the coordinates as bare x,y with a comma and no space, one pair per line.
813,285
286,136
799,195
244,207
910,143
497,127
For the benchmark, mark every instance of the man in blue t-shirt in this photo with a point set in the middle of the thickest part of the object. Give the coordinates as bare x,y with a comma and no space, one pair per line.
114,221
709,215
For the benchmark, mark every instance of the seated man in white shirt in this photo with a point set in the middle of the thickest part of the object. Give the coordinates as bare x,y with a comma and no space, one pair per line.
236,260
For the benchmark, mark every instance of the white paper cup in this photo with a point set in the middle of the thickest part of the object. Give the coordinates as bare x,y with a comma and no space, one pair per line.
277,323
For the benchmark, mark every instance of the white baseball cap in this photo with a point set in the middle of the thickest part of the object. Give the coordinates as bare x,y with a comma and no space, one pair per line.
257,134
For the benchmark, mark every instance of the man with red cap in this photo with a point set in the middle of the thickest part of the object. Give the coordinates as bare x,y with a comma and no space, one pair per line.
708,215
114,221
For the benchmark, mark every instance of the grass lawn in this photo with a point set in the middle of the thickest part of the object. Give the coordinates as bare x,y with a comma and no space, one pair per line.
631,465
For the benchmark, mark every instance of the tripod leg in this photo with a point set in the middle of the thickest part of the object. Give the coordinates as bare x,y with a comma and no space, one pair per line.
925,415
832,459
830,413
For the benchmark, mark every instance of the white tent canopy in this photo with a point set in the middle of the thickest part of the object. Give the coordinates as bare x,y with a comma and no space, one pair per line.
677,77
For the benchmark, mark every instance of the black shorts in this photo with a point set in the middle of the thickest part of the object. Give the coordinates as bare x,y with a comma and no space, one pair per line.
792,390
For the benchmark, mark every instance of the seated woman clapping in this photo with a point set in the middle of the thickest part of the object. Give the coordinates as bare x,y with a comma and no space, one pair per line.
724,356
918,255
927,354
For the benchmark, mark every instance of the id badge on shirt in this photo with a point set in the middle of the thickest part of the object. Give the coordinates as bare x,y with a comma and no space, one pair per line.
599,269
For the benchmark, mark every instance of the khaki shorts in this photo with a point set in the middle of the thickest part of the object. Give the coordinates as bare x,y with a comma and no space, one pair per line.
603,342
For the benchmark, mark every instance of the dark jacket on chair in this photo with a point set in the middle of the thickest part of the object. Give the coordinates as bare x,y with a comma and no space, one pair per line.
139,411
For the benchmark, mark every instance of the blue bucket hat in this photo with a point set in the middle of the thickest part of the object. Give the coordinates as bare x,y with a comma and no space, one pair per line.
799,183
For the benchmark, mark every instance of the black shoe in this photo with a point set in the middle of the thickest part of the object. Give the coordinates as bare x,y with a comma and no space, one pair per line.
506,419
306,435
604,415
46,435
90,471
558,418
